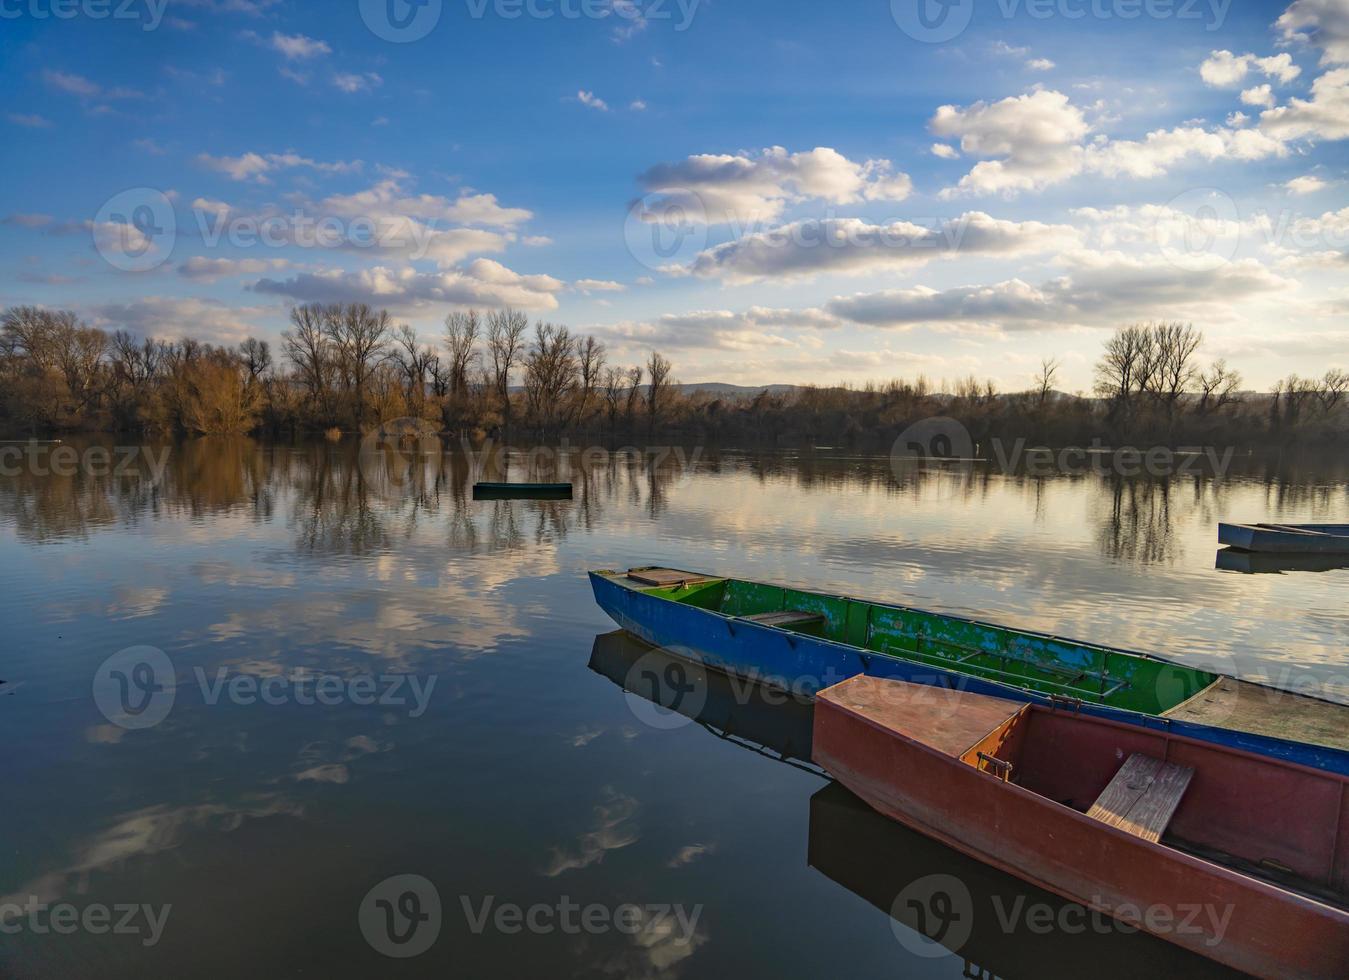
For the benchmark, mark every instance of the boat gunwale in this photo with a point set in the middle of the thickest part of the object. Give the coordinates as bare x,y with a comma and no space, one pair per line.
615,577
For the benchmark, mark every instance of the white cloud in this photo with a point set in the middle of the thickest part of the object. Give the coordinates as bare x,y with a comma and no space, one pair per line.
209,270
117,238
298,47
752,330
1324,115
482,283
632,19
745,188
588,286
388,198
853,246
1223,69
1208,222
383,222
1039,64
1259,95
72,84
210,206
1038,140
945,151
1308,184
1321,23
28,220
257,166
1036,135
351,83
1100,290
171,317
28,120
592,100
637,105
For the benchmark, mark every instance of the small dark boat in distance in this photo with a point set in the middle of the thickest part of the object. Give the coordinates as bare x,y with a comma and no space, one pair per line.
522,491
1287,539
1115,817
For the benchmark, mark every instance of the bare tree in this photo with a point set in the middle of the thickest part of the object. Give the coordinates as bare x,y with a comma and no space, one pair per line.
1295,392
360,340
1045,379
257,358
1217,387
590,356
414,362
634,378
1173,371
658,375
615,379
1124,369
550,374
1331,390
307,348
505,343
461,341
220,398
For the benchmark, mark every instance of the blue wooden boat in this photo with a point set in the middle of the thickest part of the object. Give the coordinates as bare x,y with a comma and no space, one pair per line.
1287,539
803,642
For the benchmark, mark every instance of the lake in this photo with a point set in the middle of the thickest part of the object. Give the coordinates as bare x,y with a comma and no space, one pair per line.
372,702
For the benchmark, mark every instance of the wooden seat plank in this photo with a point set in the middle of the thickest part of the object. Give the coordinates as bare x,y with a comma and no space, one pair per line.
1143,796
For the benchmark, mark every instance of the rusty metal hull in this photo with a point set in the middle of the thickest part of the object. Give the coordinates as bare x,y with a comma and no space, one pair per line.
1270,931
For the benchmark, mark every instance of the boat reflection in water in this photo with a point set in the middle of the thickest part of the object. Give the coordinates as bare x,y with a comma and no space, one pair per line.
941,902
1254,562
761,719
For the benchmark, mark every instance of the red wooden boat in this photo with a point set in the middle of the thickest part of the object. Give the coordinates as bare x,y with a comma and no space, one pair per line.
1240,857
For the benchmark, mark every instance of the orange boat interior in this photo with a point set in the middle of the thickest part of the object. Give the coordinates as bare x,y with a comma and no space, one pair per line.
1277,821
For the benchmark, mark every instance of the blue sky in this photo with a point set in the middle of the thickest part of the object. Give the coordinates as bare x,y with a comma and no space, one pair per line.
834,198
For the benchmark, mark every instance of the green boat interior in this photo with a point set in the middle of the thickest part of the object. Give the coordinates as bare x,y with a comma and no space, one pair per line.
1050,665
1046,664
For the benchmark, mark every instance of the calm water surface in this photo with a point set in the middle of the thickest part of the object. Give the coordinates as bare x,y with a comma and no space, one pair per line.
531,777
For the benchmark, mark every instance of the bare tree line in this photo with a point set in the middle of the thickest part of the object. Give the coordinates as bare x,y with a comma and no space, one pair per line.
349,368
346,367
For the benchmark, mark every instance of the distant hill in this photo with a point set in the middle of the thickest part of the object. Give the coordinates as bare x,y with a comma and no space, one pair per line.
722,390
